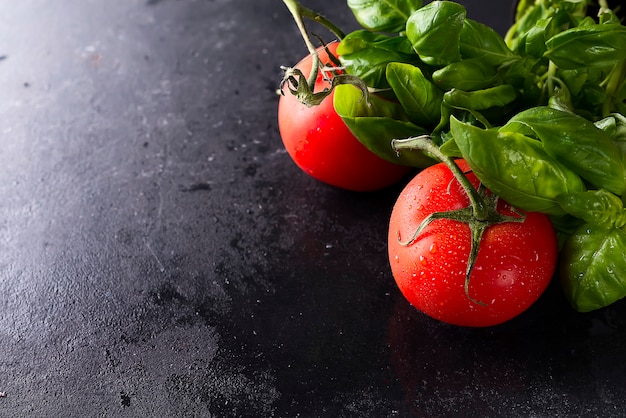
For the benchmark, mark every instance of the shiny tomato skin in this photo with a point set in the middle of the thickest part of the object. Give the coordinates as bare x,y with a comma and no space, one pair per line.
320,143
515,263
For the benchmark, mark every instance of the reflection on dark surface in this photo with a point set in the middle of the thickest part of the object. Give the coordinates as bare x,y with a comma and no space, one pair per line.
539,359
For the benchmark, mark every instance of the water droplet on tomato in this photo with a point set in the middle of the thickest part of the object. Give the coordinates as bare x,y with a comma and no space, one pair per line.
396,258
423,260
433,248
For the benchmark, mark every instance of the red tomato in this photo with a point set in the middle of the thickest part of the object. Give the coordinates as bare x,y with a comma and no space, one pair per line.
321,144
515,261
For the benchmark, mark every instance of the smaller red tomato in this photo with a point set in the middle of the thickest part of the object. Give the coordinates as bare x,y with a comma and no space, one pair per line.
515,262
321,144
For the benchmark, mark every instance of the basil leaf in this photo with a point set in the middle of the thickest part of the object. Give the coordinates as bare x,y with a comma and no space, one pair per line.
383,15
588,46
435,32
468,74
593,267
498,96
577,143
486,106
535,39
521,74
515,167
615,126
528,14
595,206
420,98
366,55
376,124
480,41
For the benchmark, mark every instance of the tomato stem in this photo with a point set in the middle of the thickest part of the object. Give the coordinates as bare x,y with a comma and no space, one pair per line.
425,143
299,12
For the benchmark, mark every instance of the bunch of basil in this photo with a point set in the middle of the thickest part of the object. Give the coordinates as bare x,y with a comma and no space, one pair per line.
538,114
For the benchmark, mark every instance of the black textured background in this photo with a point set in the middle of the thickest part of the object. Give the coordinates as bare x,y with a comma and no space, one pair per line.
160,254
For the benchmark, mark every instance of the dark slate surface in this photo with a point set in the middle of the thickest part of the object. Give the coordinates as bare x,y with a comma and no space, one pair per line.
160,254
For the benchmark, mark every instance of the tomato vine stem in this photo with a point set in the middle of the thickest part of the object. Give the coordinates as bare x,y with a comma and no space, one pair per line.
303,86
425,144
299,12
479,215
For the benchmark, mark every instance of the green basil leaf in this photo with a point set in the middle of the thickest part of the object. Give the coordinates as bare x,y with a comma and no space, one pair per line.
588,46
607,124
487,106
515,167
480,41
615,126
451,149
383,15
498,96
521,74
575,80
376,124
554,21
366,55
592,267
595,206
435,32
527,16
358,40
468,74
535,38
537,21
420,98
608,16
578,144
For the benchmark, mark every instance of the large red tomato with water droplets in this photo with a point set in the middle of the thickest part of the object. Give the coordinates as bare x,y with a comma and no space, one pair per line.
320,143
515,262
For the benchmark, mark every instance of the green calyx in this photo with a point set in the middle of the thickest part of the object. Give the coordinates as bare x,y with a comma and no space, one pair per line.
298,86
481,213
